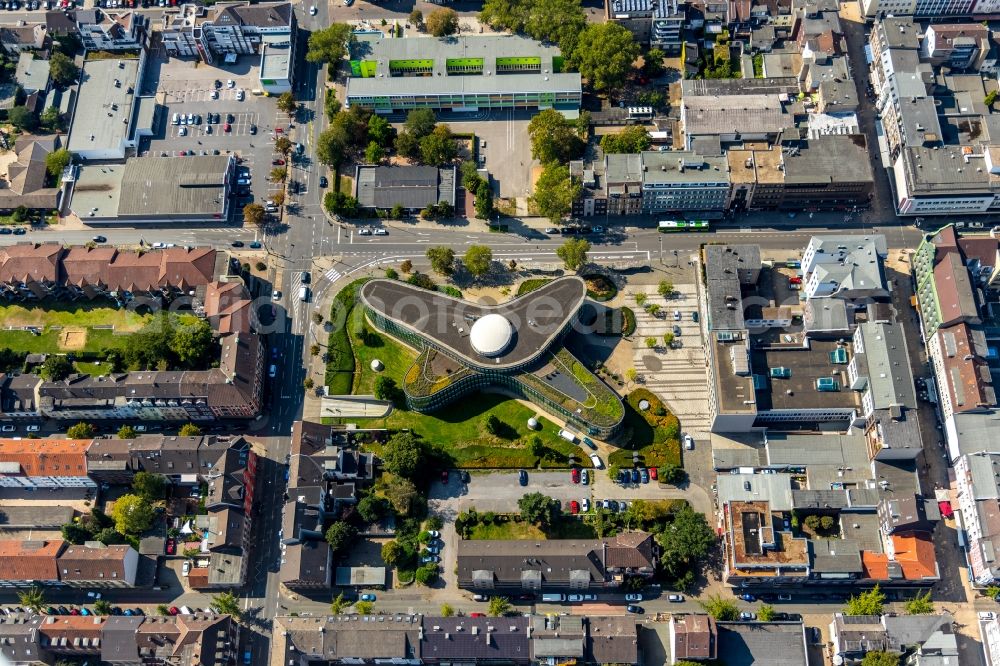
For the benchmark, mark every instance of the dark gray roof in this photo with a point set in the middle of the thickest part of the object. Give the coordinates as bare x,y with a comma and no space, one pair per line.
555,563
118,640
363,637
476,639
265,15
756,643
21,638
35,516
412,187
835,556
612,640
306,563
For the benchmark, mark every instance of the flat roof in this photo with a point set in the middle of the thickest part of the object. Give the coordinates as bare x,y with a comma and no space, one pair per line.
275,61
147,187
684,166
798,391
487,47
407,86
537,317
735,392
104,110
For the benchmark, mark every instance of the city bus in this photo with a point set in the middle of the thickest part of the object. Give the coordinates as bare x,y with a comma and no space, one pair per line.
667,226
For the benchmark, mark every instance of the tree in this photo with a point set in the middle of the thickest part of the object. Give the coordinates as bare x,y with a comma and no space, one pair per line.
574,253
339,203
766,613
442,259
538,509
81,431
631,374
338,605
492,424
163,610
253,214
420,122
633,139
109,536
402,494
499,606
379,130
555,192
653,309
672,474
20,214
374,153
880,658
447,610
869,602
57,161
225,603
401,454
826,523
33,599
372,508
665,288
364,607
329,44
478,259
126,432
484,200
723,610
554,138
438,147
132,514
991,98
386,389
406,266
535,446
51,119
191,340
189,430
392,553
442,22
653,63
558,21
287,103
331,104
332,146
668,339
56,368
340,536
604,55
62,70
283,145
150,486
921,604
278,174
102,607
21,118
278,198
75,534
640,299
426,575
417,19
685,540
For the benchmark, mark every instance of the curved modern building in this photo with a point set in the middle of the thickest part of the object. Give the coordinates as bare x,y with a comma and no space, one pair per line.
465,347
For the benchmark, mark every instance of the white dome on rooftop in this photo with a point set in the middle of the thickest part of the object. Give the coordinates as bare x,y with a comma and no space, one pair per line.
491,335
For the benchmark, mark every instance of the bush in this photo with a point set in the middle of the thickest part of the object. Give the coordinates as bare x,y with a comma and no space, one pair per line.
340,366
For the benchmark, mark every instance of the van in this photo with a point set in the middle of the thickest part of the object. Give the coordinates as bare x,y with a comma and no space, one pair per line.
272,372
304,294
177,119
186,611
568,436
553,598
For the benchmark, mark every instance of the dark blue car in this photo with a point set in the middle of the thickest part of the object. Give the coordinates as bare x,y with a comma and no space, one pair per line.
635,475
623,476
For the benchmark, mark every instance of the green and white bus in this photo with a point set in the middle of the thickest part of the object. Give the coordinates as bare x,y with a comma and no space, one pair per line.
667,226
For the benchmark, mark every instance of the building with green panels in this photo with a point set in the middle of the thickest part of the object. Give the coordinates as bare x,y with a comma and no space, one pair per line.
944,288
515,347
459,73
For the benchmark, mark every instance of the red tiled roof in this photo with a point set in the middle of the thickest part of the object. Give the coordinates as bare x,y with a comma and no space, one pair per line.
915,554
82,563
29,560
47,457
30,262
875,565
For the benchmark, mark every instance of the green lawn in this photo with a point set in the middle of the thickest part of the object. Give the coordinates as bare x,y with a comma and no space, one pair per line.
95,369
564,528
48,342
396,357
656,436
72,314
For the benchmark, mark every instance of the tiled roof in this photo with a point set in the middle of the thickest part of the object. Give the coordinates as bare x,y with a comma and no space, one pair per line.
47,457
29,560
915,554
85,563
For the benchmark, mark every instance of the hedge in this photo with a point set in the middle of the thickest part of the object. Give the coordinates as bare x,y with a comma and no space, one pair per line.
340,355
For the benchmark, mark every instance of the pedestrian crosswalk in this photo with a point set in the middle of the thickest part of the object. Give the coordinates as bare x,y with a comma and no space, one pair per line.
332,275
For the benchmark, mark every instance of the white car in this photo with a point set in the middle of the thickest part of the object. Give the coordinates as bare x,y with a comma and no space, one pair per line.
182,131
8,428
214,94
230,83
381,231
677,315
276,295
675,598
239,95
33,428
633,597
596,459
312,11
585,505
434,534
186,568
688,442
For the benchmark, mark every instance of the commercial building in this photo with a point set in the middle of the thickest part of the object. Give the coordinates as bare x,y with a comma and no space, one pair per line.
155,190
744,115
106,123
112,31
659,24
412,187
978,493
682,181
845,267
460,74
923,639
516,345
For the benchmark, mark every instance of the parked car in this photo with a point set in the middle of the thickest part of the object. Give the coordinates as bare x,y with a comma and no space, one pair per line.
634,596
171,546
688,442
480,597
574,475
522,477
323,182
652,473
589,442
367,596
675,598
174,610
638,610
34,427
585,505
746,616
598,463
644,474
784,597
746,596
574,507
186,568
100,239
584,476
635,475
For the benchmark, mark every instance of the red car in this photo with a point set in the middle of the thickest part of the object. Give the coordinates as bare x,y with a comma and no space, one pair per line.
278,130
575,475
444,476
174,610
74,611
574,507
477,614
278,162
794,280
227,127
171,546
652,473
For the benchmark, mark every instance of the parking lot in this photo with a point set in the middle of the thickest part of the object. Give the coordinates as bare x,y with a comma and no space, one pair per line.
186,89
507,148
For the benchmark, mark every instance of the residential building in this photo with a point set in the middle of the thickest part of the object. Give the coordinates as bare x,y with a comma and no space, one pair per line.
693,637
108,125
23,36
32,75
846,267
660,24
27,182
576,564
95,565
772,643
112,31
25,563
412,187
958,46
921,639
192,189
944,288
623,175
201,639
682,181
46,464
461,73
978,492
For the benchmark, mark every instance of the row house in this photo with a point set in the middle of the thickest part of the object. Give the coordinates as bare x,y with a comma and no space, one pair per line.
55,562
23,36
46,464
201,639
